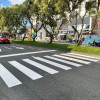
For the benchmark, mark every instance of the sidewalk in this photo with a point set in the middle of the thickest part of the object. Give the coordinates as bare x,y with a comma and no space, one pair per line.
56,41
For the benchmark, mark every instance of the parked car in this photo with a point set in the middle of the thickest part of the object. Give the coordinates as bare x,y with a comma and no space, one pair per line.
96,42
4,39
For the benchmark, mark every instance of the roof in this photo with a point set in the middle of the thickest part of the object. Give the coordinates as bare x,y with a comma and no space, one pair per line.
29,27
86,21
79,21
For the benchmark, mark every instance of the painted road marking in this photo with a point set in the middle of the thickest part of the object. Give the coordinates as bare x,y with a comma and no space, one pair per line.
44,68
0,50
53,63
7,48
93,60
85,56
31,47
28,72
8,77
76,60
18,47
64,61
19,54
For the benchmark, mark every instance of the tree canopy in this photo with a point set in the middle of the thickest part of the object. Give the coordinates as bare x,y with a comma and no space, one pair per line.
44,13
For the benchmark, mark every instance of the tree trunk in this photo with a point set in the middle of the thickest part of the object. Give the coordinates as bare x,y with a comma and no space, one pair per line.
79,42
15,37
35,35
76,37
34,38
24,37
51,37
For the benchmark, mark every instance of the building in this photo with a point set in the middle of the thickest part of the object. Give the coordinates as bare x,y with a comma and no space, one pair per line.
96,30
78,25
67,28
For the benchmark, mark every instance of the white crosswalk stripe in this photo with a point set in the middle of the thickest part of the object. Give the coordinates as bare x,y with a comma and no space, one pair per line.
93,60
26,53
31,74
76,60
64,61
18,47
45,68
0,50
7,48
53,63
12,81
8,77
84,56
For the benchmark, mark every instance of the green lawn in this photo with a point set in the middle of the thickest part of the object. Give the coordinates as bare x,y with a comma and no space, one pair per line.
84,49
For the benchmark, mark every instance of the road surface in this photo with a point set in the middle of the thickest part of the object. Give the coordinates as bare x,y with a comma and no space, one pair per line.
35,73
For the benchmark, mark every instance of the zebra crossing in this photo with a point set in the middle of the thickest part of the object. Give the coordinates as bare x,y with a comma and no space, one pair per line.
11,48
18,47
73,59
8,77
68,60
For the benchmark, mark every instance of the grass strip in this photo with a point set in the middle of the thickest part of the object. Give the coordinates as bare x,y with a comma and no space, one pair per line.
84,49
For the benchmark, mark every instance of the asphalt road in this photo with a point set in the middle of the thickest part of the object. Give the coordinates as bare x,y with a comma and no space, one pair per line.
35,73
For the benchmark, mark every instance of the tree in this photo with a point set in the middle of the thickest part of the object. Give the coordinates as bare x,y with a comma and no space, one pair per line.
23,19
10,18
33,15
14,18
23,30
2,20
49,16
71,7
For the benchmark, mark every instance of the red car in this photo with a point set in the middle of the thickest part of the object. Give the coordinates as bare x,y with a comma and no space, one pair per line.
4,39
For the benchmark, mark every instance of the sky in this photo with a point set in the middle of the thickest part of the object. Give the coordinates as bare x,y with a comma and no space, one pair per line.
10,2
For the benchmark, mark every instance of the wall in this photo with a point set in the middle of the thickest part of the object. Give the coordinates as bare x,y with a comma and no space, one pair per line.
90,39
96,30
